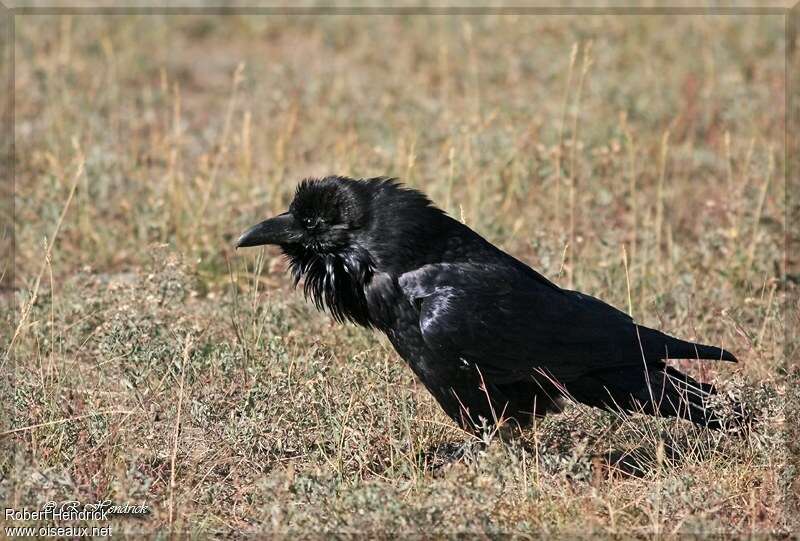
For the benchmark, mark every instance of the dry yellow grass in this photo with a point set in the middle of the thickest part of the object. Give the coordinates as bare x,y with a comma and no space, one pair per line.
640,159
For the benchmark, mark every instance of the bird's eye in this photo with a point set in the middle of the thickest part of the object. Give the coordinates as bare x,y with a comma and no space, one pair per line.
308,222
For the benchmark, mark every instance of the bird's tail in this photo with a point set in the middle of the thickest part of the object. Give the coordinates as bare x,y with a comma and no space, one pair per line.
657,345
663,391
678,395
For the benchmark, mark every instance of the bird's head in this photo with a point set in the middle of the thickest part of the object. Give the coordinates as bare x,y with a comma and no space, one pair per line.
326,216
322,235
338,232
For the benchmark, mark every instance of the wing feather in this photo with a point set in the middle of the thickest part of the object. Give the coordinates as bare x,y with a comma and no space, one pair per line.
509,324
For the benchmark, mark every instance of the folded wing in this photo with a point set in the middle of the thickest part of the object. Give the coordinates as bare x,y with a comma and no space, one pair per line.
510,324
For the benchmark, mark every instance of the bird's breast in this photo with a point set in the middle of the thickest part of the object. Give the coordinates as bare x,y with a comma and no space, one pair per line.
384,300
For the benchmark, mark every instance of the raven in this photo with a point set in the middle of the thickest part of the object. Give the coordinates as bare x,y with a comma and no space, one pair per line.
490,338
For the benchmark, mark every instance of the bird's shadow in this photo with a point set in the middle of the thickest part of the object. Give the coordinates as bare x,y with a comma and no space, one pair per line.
438,458
667,450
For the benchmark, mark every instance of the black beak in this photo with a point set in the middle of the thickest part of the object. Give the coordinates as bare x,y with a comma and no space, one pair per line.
281,229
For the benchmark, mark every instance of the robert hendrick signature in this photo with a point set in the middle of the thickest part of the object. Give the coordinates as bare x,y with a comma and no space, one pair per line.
75,510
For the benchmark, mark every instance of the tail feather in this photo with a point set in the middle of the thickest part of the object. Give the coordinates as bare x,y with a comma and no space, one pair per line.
662,391
659,346
685,397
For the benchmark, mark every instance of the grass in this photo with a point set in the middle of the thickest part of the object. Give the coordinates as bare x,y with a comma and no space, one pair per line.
639,159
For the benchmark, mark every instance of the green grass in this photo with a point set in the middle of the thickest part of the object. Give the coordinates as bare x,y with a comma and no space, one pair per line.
639,159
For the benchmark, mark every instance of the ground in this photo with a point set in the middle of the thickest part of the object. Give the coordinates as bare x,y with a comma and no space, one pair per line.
639,159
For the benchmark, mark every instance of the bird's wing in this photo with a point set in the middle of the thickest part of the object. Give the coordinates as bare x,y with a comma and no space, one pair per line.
509,324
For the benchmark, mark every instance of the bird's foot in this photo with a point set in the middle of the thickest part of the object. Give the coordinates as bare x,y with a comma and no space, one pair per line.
441,455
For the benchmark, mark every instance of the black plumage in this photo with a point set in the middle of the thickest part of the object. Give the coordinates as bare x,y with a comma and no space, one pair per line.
487,335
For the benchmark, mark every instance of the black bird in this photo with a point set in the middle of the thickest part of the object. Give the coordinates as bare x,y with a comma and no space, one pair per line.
489,337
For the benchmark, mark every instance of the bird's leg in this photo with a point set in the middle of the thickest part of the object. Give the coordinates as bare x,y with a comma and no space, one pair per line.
508,431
